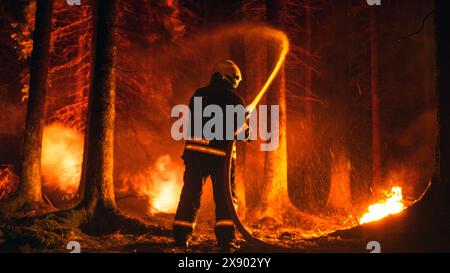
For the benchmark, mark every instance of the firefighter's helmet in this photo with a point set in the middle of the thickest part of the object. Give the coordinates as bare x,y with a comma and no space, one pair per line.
229,71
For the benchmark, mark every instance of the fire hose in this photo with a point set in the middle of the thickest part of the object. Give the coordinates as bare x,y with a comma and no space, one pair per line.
234,215
232,209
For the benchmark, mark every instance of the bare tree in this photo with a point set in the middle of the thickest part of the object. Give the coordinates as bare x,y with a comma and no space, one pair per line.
275,190
339,79
29,194
308,48
99,188
376,140
443,87
238,55
97,212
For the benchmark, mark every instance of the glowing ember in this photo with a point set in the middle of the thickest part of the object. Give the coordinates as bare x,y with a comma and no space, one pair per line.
62,155
9,182
392,205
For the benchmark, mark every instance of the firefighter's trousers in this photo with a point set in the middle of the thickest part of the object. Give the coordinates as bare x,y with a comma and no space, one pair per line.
198,168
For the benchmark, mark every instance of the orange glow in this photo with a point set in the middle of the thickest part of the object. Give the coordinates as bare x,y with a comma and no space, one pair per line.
62,155
165,200
23,35
164,194
340,189
392,205
159,184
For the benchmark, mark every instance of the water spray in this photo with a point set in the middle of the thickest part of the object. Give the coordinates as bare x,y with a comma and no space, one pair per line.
283,39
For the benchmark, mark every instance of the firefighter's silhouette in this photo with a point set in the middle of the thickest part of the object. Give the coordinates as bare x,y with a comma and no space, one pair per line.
205,158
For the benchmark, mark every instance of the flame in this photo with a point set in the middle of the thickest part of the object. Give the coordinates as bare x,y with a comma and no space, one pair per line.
62,155
392,205
159,184
166,189
165,199
23,34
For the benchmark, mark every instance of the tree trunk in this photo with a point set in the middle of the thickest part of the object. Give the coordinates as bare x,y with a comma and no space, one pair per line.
308,48
443,93
98,184
306,182
339,196
237,53
83,44
30,188
97,213
376,140
275,193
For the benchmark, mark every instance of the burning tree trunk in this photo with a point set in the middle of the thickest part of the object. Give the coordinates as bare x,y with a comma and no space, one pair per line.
275,193
30,194
376,141
99,187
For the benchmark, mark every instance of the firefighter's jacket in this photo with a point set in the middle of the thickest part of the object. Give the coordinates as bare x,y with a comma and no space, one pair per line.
218,92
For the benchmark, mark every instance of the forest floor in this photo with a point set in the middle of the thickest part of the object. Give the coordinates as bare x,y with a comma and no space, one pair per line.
404,232
52,234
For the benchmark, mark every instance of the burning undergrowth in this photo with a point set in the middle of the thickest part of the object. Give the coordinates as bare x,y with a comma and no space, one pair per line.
9,181
158,187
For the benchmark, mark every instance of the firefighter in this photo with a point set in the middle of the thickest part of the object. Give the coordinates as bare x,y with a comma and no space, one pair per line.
206,158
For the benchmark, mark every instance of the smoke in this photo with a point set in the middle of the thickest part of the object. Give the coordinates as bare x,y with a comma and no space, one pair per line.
152,80
412,163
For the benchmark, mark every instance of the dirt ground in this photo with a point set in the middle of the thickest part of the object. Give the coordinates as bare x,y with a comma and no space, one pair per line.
408,231
52,234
